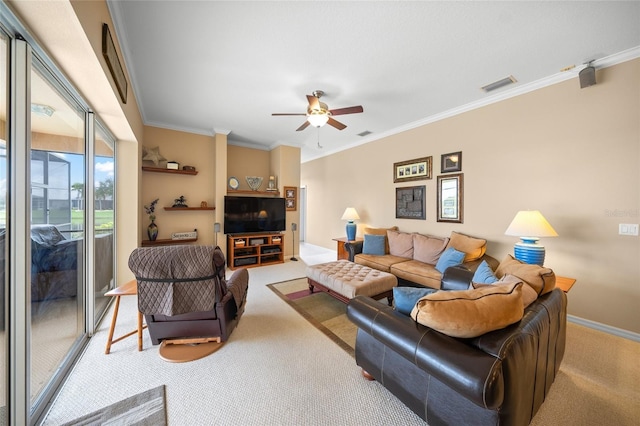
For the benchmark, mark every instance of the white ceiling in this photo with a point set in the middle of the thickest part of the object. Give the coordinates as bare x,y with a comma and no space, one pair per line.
224,67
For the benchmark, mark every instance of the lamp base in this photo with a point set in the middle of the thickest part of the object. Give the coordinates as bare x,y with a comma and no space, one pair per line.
351,231
529,251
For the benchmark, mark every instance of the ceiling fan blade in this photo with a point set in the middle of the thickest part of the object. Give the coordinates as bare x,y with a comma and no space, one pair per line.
314,103
286,113
335,123
349,110
303,126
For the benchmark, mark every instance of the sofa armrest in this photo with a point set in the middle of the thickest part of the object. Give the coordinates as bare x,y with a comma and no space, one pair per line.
469,371
456,278
353,248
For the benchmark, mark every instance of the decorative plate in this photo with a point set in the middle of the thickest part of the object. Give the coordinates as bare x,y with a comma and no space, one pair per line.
233,183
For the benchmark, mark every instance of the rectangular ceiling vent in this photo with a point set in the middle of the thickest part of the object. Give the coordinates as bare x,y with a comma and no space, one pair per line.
500,83
365,133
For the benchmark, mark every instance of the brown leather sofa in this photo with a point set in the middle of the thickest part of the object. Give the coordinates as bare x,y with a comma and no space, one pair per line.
499,378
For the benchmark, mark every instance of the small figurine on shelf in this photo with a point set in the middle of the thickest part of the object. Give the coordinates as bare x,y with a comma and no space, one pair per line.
180,202
152,229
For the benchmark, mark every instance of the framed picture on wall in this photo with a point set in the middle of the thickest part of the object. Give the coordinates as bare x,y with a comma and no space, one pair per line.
451,198
451,162
291,198
417,169
410,202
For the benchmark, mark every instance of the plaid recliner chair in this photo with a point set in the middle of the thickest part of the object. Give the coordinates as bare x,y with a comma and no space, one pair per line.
183,293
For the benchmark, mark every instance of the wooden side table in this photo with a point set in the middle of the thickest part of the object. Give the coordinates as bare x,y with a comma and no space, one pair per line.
128,289
565,283
343,254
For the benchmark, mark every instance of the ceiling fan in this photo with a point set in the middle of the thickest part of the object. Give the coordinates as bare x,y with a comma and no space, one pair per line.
318,113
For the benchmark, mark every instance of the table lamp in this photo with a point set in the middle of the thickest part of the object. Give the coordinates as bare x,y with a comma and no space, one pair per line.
350,214
529,225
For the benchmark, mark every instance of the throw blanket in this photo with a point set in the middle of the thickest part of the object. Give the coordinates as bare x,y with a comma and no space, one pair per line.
174,280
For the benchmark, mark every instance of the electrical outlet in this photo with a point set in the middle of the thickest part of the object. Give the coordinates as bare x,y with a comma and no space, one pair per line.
628,229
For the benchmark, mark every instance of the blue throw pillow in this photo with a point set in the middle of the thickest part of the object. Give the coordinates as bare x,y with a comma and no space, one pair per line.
373,244
484,274
450,257
405,298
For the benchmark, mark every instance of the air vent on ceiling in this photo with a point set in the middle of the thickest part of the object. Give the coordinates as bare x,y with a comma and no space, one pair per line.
500,83
365,133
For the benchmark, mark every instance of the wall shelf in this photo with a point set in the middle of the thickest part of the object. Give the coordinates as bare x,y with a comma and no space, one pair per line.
177,172
189,208
251,192
148,243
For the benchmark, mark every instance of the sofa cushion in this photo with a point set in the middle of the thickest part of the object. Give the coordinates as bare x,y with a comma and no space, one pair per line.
405,298
400,244
529,295
471,313
428,249
484,274
541,279
47,235
473,248
374,244
450,257
381,263
417,272
381,231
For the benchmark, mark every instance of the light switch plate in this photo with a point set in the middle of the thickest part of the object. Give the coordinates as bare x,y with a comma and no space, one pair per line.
628,229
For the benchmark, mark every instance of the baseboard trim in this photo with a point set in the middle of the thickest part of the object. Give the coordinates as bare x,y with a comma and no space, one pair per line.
604,328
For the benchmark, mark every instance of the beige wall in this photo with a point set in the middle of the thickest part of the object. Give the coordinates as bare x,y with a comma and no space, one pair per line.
573,154
188,150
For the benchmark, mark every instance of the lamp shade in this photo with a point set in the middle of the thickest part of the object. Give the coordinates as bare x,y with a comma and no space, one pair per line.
529,225
318,119
350,214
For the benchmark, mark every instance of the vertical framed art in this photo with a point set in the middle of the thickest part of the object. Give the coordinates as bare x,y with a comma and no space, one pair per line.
291,198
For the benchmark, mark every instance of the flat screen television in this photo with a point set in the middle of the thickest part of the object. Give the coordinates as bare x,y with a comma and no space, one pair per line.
246,215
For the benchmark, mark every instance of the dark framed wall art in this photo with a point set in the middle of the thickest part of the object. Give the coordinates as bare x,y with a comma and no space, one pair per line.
451,162
451,198
410,202
291,197
417,169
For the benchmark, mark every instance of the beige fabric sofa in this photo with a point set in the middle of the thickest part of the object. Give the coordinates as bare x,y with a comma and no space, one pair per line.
412,257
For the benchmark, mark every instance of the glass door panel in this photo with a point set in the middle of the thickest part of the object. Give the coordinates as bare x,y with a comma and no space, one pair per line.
57,228
104,219
4,261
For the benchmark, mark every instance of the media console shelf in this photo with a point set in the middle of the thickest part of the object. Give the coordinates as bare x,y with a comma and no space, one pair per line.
249,250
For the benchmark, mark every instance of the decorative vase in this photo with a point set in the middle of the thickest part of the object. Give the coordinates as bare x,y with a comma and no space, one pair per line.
152,231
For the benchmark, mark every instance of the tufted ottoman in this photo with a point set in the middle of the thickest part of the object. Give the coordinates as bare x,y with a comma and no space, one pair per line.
345,280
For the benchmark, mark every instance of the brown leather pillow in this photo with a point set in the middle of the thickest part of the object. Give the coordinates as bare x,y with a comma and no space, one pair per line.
471,313
473,248
541,279
381,231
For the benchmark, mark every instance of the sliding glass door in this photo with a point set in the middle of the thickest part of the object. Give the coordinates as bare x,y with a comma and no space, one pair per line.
57,226
4,72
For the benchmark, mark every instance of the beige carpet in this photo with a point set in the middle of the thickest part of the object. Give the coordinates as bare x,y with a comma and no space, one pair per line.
279,369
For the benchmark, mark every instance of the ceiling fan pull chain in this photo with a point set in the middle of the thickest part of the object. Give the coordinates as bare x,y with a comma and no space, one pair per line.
319,146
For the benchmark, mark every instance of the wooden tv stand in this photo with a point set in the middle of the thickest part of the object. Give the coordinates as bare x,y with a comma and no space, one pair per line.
250,250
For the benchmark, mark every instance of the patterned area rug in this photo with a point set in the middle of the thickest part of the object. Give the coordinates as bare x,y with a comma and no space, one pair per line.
144,409
327,314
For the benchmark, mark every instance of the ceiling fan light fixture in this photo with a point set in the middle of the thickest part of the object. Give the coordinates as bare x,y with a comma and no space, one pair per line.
318,119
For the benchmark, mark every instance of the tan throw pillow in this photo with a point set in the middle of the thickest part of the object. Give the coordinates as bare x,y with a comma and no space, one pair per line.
428,249
471,313
400,244
529,295
473,248
541,279
381,231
